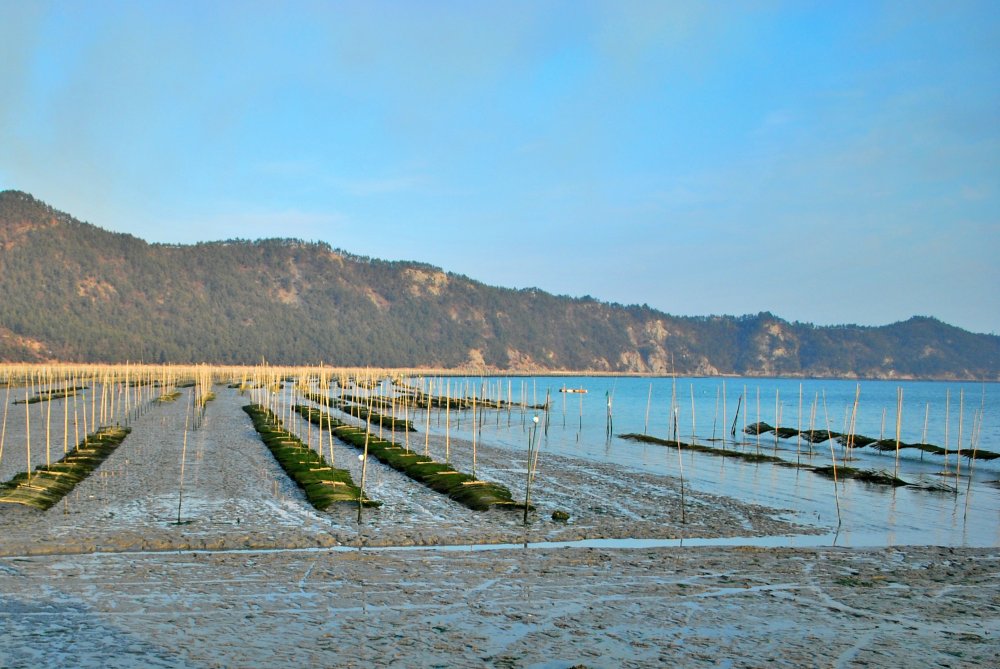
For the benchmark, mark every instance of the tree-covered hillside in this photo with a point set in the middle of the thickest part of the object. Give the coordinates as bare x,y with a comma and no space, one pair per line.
74,292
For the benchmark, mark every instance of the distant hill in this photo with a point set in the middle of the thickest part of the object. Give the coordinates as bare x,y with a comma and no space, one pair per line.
74,292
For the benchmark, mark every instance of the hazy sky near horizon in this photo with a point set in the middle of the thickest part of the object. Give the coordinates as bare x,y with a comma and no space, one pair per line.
830,162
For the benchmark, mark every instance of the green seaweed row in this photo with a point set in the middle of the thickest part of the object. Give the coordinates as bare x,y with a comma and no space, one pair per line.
860,440
54,395
48,484
362,413
438,476
867,475
422,400
322,484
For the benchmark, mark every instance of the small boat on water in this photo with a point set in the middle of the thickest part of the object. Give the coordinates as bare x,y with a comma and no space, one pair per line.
564,389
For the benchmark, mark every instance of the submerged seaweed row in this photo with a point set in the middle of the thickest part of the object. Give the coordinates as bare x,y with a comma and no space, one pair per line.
438,476
322,484
861,441
53,395
867,475
422,400
361,412
48,484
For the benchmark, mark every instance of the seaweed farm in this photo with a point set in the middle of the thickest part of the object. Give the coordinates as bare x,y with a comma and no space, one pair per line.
200,516
914,462
863,463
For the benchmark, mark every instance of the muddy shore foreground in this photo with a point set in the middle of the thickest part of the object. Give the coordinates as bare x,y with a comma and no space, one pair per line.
253,576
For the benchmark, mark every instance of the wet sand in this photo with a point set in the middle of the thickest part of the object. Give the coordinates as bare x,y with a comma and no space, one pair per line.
253,576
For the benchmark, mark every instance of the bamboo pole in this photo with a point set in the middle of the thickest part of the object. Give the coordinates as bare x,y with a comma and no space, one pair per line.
833,460
474,430
364,469
532,449
447,423
66,423
958,453
329,426
947,421
406,419
27,430
975,447
180,491
3,430
899,425
725,421
48,427
758,419
427,427
798,429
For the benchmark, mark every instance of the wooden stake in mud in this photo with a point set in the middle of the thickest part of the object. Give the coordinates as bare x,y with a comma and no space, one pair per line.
3,430
329,425
427,427
532,451
364,471
474,430
406,419
680,463
833,459
48,427
447,424
27,430
180,492
66,424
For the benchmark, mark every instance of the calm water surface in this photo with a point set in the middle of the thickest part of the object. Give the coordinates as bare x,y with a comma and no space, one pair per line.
704,409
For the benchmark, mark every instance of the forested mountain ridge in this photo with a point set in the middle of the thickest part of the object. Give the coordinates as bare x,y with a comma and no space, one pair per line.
74,292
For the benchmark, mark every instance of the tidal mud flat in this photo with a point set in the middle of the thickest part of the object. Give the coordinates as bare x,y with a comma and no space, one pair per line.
241,571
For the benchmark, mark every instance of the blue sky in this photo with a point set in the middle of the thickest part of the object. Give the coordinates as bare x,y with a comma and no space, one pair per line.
830,162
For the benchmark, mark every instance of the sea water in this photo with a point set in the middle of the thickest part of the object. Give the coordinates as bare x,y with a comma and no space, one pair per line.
708,410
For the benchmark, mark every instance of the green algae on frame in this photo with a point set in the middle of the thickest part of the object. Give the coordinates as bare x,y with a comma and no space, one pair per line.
323,485
44,487
441,477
